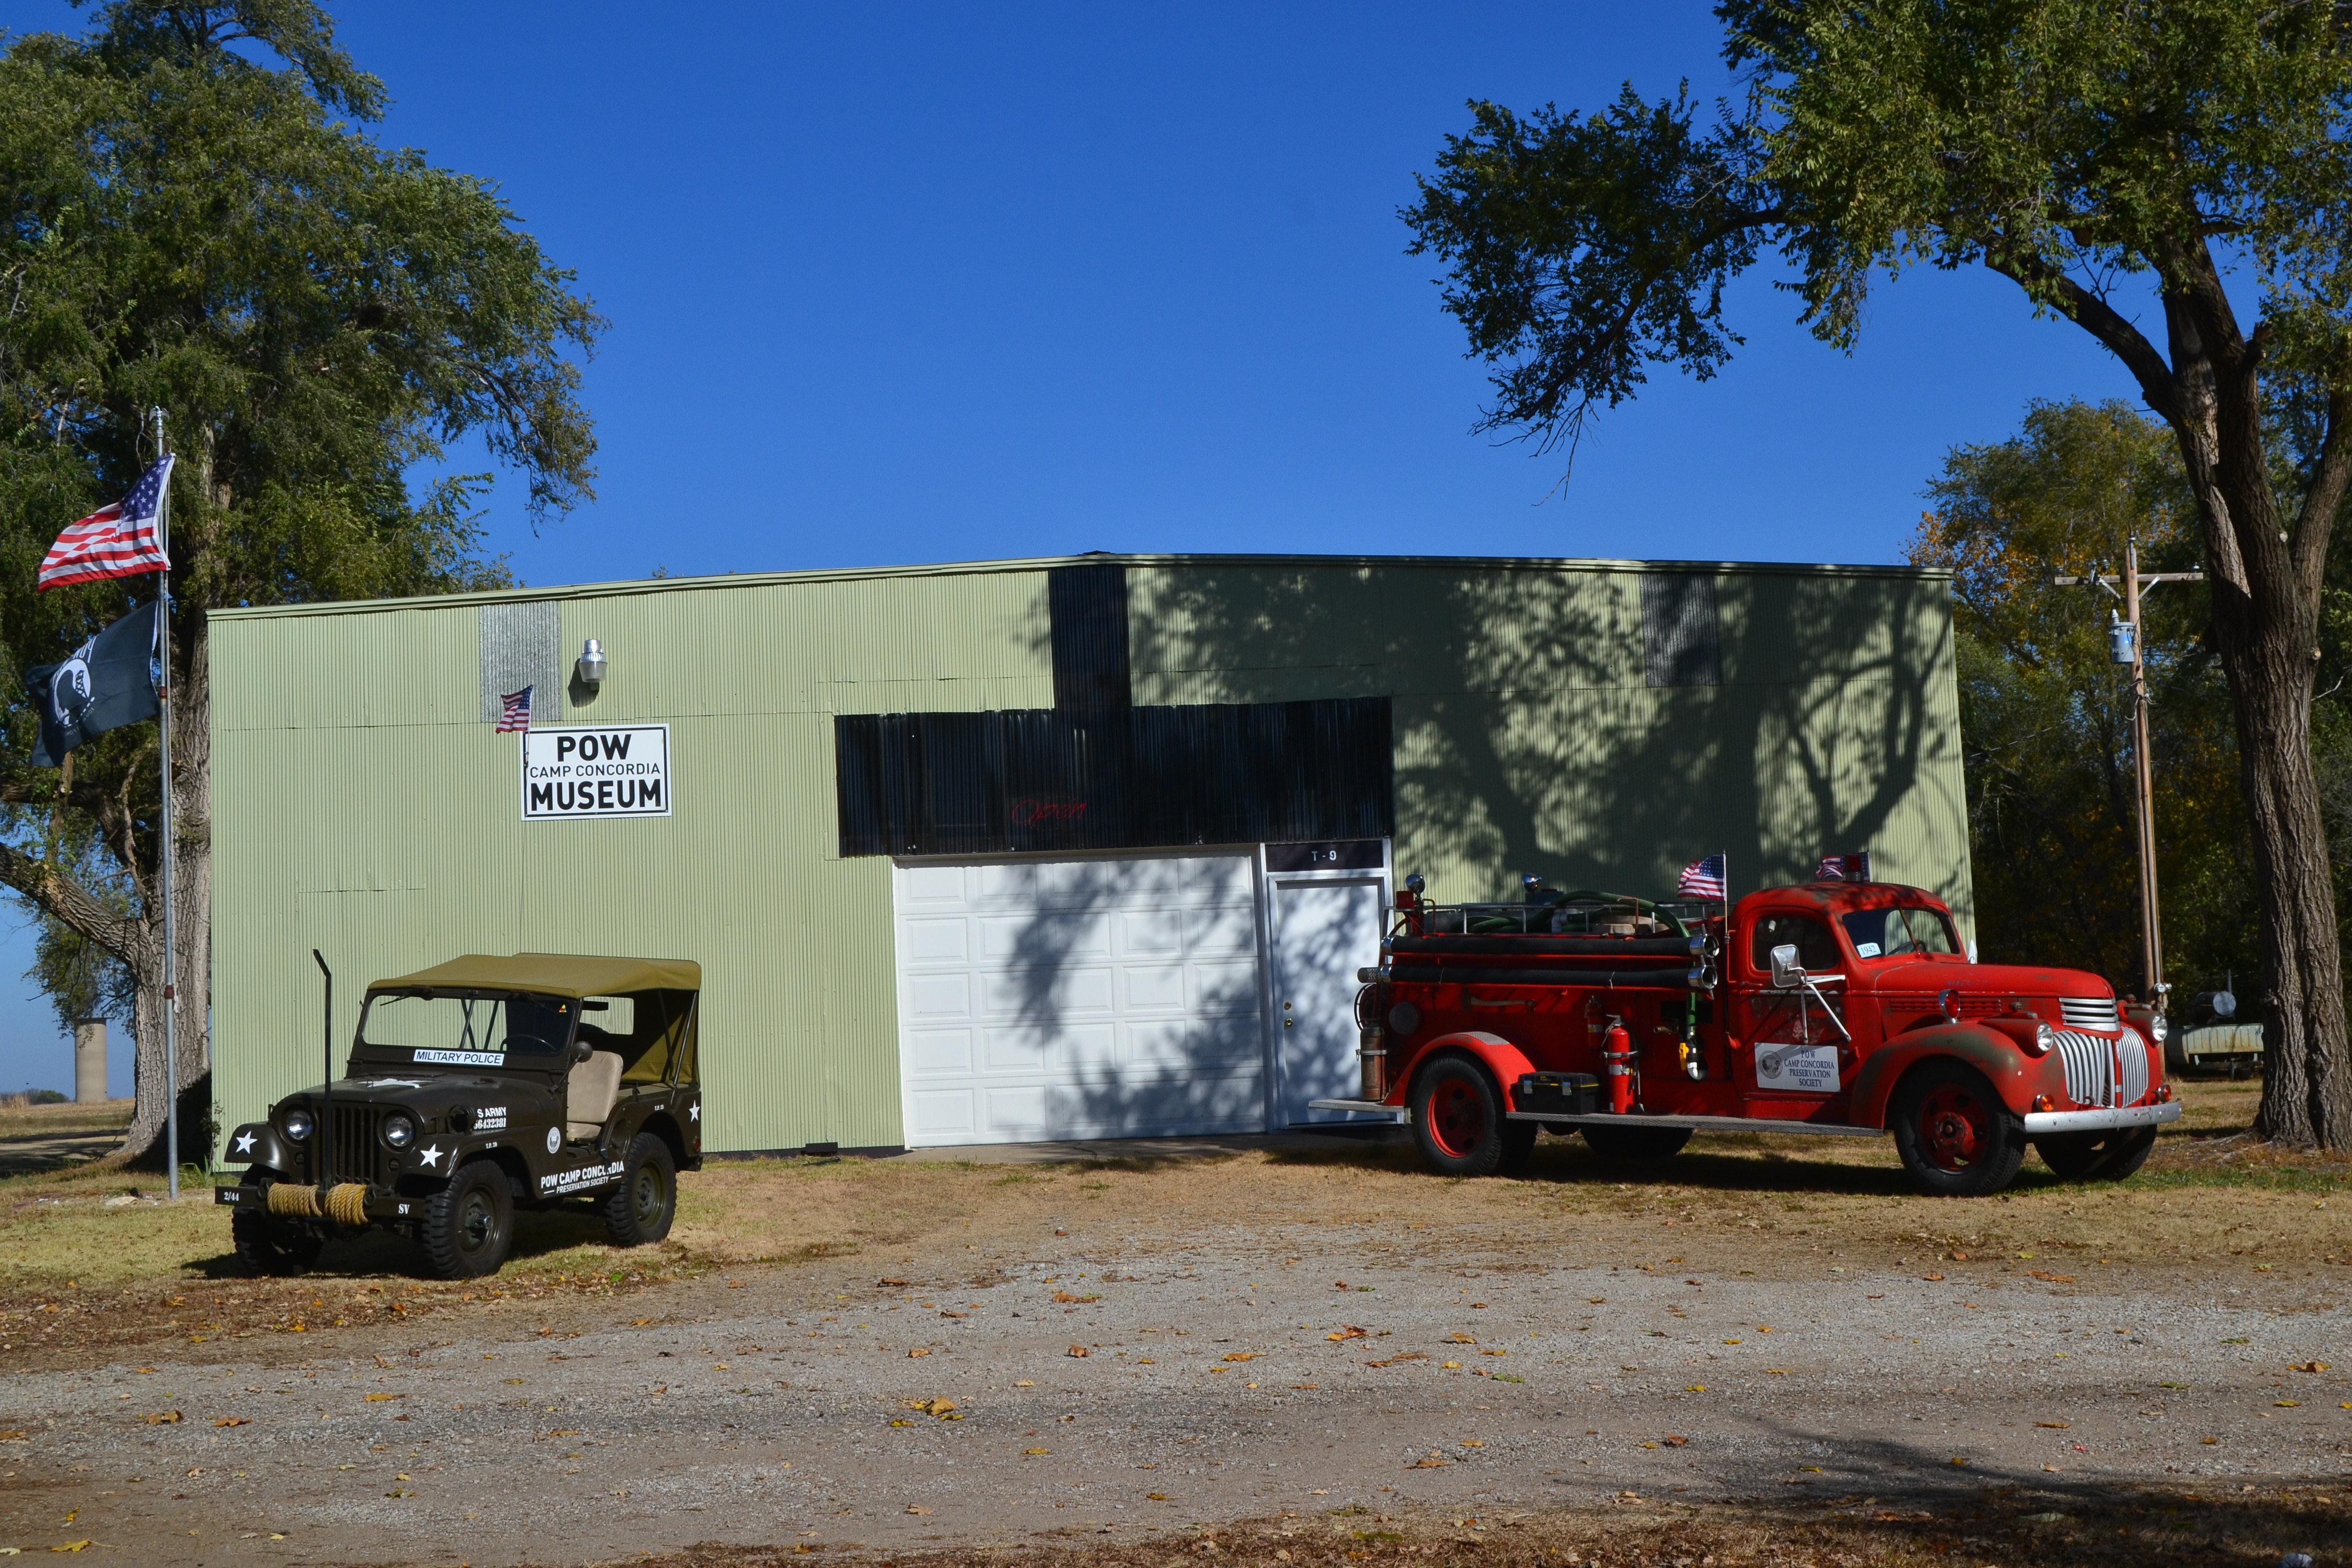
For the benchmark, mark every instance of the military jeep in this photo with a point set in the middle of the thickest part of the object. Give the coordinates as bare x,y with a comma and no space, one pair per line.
475,1087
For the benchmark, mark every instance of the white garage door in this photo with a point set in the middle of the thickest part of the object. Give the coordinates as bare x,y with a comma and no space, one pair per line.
1079,999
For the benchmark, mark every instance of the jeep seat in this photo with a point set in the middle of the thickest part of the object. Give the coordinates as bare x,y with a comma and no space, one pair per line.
589,1095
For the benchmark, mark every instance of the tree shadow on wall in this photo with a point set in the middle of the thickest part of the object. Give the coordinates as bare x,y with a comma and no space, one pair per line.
1528,737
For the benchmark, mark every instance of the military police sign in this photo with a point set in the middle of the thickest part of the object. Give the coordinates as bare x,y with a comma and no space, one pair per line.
622,769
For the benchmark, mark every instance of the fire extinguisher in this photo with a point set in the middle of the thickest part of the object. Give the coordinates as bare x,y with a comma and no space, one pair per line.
1617,1059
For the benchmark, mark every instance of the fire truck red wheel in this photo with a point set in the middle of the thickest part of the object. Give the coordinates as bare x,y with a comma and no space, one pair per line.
1457,1120
1956,1137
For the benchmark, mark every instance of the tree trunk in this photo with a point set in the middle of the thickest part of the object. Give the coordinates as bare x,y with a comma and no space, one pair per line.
2265,631
192,901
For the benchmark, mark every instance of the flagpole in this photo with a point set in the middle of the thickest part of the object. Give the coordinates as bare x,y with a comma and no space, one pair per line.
163,717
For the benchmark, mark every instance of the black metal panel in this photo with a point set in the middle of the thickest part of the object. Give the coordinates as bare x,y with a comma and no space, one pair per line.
1680,642
1087,605
1351,855
1045,779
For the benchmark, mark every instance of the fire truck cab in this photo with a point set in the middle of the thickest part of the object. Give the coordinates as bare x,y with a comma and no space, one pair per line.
1836,1007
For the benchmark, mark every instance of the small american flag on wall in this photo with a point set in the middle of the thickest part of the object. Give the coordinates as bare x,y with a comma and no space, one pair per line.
514,711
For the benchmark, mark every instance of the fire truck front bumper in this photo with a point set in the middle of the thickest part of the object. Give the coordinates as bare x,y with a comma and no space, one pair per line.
2038,1122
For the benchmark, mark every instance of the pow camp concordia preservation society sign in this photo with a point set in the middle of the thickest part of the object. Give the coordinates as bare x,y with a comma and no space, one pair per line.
621,770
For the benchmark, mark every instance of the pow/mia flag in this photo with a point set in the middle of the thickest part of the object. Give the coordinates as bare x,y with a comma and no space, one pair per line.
106,683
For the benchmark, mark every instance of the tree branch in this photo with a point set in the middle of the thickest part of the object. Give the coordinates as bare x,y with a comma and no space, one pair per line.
2102,321
70,903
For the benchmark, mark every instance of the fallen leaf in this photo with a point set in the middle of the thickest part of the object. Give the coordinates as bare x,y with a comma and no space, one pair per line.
2286,1403
633,1322
1347,1332
1473,1442
163,1418
932,1406
1034,1451
1431,1463
2310,1366
1153,1496
233,1421
1493,1352
1695,1388
902,1423
891,1284
1931,1277
2053,1425
1956,1256
1461,1339
1024,1383
1079,1350
1776,1371
1451,1365
1241,1355
1955,1459
2054,1279
919,1353
72,1546
1310,1387
916,1507
380,1398
1675,1440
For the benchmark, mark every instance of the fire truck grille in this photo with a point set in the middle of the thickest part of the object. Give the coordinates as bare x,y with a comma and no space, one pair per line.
358,1155
2135,1060
2090,1068
2090,1012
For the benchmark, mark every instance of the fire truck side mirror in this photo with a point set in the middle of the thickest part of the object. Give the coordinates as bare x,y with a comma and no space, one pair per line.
1786,975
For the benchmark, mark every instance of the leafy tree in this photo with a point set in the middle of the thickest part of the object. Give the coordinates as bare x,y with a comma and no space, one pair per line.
2087,149
2046,715
195,222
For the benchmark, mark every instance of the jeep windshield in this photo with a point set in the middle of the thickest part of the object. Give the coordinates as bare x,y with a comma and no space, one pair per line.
1904,933
467,1030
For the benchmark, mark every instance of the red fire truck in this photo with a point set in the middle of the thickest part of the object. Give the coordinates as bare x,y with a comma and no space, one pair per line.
1837,1007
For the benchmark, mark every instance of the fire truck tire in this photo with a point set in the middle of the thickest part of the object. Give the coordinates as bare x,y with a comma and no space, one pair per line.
2097,1156
1956,1137
1457,1120
470,1223
268,1245
1636,1145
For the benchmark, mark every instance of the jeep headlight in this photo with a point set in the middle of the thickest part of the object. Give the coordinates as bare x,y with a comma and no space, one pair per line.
2159,1030
399,1132
297,1123
2044,1038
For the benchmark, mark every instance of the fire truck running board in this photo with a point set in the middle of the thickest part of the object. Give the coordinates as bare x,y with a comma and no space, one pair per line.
1365,1106
1697,1123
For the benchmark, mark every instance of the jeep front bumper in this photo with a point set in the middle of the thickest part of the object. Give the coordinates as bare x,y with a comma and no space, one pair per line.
379,1205
2100,1119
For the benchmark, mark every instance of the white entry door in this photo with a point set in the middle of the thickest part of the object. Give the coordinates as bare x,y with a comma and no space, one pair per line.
1323,933
1094,998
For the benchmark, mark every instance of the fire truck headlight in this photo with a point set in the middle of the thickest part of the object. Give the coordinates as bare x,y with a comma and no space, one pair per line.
2045,1037
2159,1030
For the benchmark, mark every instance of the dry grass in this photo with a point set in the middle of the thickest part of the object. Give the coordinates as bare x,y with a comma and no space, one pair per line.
92,1256
19,1119
2114,1527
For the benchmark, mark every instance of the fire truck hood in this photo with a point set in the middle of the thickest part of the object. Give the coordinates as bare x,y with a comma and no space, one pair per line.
2004,980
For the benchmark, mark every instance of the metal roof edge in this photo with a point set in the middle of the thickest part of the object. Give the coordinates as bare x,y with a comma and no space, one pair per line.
631,587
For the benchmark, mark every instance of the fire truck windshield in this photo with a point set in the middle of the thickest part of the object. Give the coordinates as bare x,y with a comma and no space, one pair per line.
1889,933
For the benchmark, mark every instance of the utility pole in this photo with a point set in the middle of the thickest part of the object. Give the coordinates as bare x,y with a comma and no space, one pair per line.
2126,646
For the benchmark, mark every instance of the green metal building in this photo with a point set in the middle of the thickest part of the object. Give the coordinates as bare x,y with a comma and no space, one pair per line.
1038,848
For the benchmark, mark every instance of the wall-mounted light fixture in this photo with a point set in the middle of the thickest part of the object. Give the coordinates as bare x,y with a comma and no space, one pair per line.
591,667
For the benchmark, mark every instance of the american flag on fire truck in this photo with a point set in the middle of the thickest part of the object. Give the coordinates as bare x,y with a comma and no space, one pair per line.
1705,878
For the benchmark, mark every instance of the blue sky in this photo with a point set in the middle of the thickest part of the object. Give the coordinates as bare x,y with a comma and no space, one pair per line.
898,283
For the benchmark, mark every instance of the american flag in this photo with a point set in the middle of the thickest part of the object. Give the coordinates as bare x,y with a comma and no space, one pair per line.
118,541
514,711
1705,879
1831,869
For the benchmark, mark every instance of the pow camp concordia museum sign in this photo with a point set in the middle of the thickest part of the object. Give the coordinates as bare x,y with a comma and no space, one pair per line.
620,771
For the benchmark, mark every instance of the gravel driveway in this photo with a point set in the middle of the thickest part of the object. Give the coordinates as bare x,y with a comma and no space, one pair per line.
1225,1373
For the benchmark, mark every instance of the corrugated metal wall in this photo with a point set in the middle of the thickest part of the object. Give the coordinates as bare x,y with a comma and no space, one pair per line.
362,807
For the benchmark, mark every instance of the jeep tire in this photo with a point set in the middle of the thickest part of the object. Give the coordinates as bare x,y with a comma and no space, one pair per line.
641,1208
1457,1120
468,1225
1956,1137
269,1245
